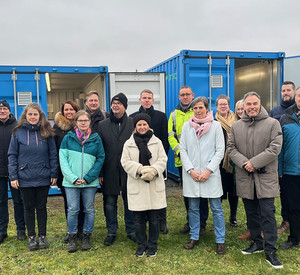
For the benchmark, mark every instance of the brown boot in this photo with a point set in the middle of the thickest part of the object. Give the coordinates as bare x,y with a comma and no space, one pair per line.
221,249
285,225
245,236
191,244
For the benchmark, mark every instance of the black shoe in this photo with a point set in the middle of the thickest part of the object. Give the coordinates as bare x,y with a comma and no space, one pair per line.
2,237
79,235
272,259
253,248
32,244
86,241
152,251
21,236
132,237
66,238
185,229
109,240
43,242
72,243
140,252
233,222
202,230
163,228
288,245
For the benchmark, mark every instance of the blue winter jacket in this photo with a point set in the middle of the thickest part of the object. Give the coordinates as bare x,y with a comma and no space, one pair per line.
278,111
79,161
32,160
289,158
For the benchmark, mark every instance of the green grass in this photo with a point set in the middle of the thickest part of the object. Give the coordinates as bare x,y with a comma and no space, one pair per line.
119,259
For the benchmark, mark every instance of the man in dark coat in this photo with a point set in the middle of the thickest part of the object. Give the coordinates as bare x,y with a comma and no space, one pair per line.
288,99
114,132
159,124
92,102
7,123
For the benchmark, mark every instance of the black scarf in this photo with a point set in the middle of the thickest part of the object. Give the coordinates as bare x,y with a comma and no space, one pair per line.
148,111
116,120
141,142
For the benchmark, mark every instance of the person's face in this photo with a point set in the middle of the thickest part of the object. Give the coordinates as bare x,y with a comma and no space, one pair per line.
4,114
297,98
83,123
33,116
146,100
240,109
117,108
223,107
186,96
142,127
92,103
287,92
252,105
69,112
199,110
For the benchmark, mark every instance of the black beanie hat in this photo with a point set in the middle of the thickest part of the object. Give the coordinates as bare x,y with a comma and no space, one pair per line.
4,103
122,98
141,116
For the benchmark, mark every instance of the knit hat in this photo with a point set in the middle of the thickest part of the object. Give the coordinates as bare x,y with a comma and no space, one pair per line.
141,116
4,103
122,98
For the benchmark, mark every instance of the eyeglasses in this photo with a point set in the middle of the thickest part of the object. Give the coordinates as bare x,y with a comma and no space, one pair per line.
187,94
223,104
116,103
83,120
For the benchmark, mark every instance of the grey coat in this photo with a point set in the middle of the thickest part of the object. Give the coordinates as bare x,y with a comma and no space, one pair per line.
259,140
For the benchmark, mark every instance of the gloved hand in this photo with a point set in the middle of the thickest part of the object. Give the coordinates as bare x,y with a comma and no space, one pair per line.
146,169
139,170
149,173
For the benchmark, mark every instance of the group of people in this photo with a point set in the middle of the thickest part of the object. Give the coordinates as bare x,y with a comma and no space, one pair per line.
230,155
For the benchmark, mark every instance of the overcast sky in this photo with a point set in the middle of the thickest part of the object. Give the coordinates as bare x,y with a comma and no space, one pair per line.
129,35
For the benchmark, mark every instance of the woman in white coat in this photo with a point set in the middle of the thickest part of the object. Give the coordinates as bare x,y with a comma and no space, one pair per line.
144,160
201,151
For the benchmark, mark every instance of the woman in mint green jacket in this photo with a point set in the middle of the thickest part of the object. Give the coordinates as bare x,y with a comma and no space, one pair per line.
81,157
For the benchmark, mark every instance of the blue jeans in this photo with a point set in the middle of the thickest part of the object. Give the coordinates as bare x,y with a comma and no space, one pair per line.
218,217
73,199
110,211
18,207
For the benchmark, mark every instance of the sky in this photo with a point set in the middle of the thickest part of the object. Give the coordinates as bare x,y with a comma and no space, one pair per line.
134,35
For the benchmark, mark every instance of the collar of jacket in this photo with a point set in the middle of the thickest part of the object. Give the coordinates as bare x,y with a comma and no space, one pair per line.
286,104
73,135
63,123
11,119
263,114
148,111
31,127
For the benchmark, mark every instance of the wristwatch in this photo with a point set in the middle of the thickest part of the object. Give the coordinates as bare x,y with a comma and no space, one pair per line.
189,171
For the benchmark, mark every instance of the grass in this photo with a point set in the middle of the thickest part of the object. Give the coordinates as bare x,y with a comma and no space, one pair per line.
119,259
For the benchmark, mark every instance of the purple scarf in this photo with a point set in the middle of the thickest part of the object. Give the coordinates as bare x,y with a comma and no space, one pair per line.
201,125
83,137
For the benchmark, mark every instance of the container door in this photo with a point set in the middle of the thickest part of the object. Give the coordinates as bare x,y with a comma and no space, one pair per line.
131,84
291,69
210,77
19,89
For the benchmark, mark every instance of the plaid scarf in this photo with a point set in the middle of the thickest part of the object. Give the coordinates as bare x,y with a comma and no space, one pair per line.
83,137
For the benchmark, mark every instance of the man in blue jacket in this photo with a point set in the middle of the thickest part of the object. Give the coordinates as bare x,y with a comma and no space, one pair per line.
289,168
7,123
288,99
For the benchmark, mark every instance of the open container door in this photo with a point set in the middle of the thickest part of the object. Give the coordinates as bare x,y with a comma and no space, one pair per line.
291,69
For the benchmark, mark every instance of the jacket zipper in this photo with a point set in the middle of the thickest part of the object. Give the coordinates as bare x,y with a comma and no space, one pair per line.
82,152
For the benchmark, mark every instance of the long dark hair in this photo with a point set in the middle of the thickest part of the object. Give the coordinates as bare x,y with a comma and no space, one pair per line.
45,127
72,103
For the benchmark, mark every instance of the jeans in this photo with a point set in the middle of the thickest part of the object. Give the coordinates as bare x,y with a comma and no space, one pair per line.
110,211
203,208
261,218
218,217
284,198
140,220
35,200
88,199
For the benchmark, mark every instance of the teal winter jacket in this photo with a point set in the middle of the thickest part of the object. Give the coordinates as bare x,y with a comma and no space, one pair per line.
79,161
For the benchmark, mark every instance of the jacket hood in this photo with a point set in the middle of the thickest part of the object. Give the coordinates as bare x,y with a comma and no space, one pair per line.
292,110
263,114
63,123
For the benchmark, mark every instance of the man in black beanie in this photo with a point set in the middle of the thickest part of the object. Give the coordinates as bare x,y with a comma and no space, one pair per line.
114,132
159,125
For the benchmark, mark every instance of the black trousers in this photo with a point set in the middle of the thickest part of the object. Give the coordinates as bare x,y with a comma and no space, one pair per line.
293,196
284,198
261,218
140,220
203,207
35,199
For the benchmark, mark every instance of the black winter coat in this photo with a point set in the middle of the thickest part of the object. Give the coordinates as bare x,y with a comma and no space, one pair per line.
159,124
114,176
5,136
96,118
